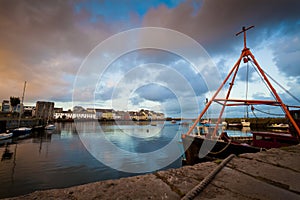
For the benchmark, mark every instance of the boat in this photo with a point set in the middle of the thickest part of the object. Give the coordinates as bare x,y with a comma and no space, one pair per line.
173,121
245,123
4,136
21,132
241,124
199,148
216,143
278,126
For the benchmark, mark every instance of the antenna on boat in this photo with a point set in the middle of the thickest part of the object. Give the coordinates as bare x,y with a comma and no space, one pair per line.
246,55
244,29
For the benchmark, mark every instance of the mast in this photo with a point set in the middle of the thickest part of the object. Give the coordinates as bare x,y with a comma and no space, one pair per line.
246,55
21,105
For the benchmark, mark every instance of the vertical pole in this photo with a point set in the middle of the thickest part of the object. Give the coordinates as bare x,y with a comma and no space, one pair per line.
21,105
244,30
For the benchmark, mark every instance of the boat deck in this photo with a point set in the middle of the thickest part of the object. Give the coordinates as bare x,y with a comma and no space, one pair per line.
272,174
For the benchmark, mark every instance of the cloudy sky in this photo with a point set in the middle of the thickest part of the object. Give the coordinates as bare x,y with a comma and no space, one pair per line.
51,44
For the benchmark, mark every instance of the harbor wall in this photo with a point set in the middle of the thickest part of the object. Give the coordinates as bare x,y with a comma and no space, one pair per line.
8,124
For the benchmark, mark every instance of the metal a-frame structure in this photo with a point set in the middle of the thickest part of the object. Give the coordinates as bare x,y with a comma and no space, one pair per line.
246,55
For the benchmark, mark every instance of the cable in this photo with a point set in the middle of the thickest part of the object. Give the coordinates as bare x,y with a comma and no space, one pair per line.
198,188
282,87
252,108
253,65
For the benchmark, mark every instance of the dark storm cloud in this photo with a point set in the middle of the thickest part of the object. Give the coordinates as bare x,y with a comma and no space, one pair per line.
45,42
216,22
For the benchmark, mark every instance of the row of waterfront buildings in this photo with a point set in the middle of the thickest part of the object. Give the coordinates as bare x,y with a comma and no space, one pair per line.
46,111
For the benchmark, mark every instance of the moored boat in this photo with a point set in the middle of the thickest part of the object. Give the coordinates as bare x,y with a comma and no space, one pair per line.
199,148
22,131
278,126
212,144
245,123
4,136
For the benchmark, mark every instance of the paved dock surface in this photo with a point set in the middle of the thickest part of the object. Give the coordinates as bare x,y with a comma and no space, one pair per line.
274,174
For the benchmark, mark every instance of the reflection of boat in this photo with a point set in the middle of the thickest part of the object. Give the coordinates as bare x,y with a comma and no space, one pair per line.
4,136
7,154
184,123
50,127
278,126
220,146
246,129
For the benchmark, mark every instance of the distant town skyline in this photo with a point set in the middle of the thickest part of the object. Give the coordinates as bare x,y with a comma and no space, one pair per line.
46,42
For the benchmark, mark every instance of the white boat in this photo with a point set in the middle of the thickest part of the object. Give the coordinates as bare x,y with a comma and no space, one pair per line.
50,127
4,136
279,126
21,131
245,123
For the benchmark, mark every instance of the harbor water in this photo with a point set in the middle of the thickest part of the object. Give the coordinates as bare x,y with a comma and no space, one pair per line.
61,159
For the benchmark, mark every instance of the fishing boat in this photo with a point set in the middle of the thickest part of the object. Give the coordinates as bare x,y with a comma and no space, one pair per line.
216,143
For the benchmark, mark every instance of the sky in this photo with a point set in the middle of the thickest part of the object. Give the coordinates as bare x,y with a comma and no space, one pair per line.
57,46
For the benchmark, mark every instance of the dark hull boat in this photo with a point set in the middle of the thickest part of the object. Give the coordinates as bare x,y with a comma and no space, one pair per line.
21,132
199,149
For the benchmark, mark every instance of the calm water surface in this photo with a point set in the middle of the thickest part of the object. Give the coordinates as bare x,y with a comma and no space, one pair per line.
60,159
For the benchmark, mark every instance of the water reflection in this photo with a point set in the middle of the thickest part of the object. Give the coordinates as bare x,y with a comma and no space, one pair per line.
58,158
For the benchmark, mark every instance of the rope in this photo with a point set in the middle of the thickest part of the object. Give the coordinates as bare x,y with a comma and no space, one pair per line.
266,112
214,153
200,187
262,79
252,109
282,87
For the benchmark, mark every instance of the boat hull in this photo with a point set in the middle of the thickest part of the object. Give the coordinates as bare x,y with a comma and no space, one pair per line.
21,132
212,149
4,136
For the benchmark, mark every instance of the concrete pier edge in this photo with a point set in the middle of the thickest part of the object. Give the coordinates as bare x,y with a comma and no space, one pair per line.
273,174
